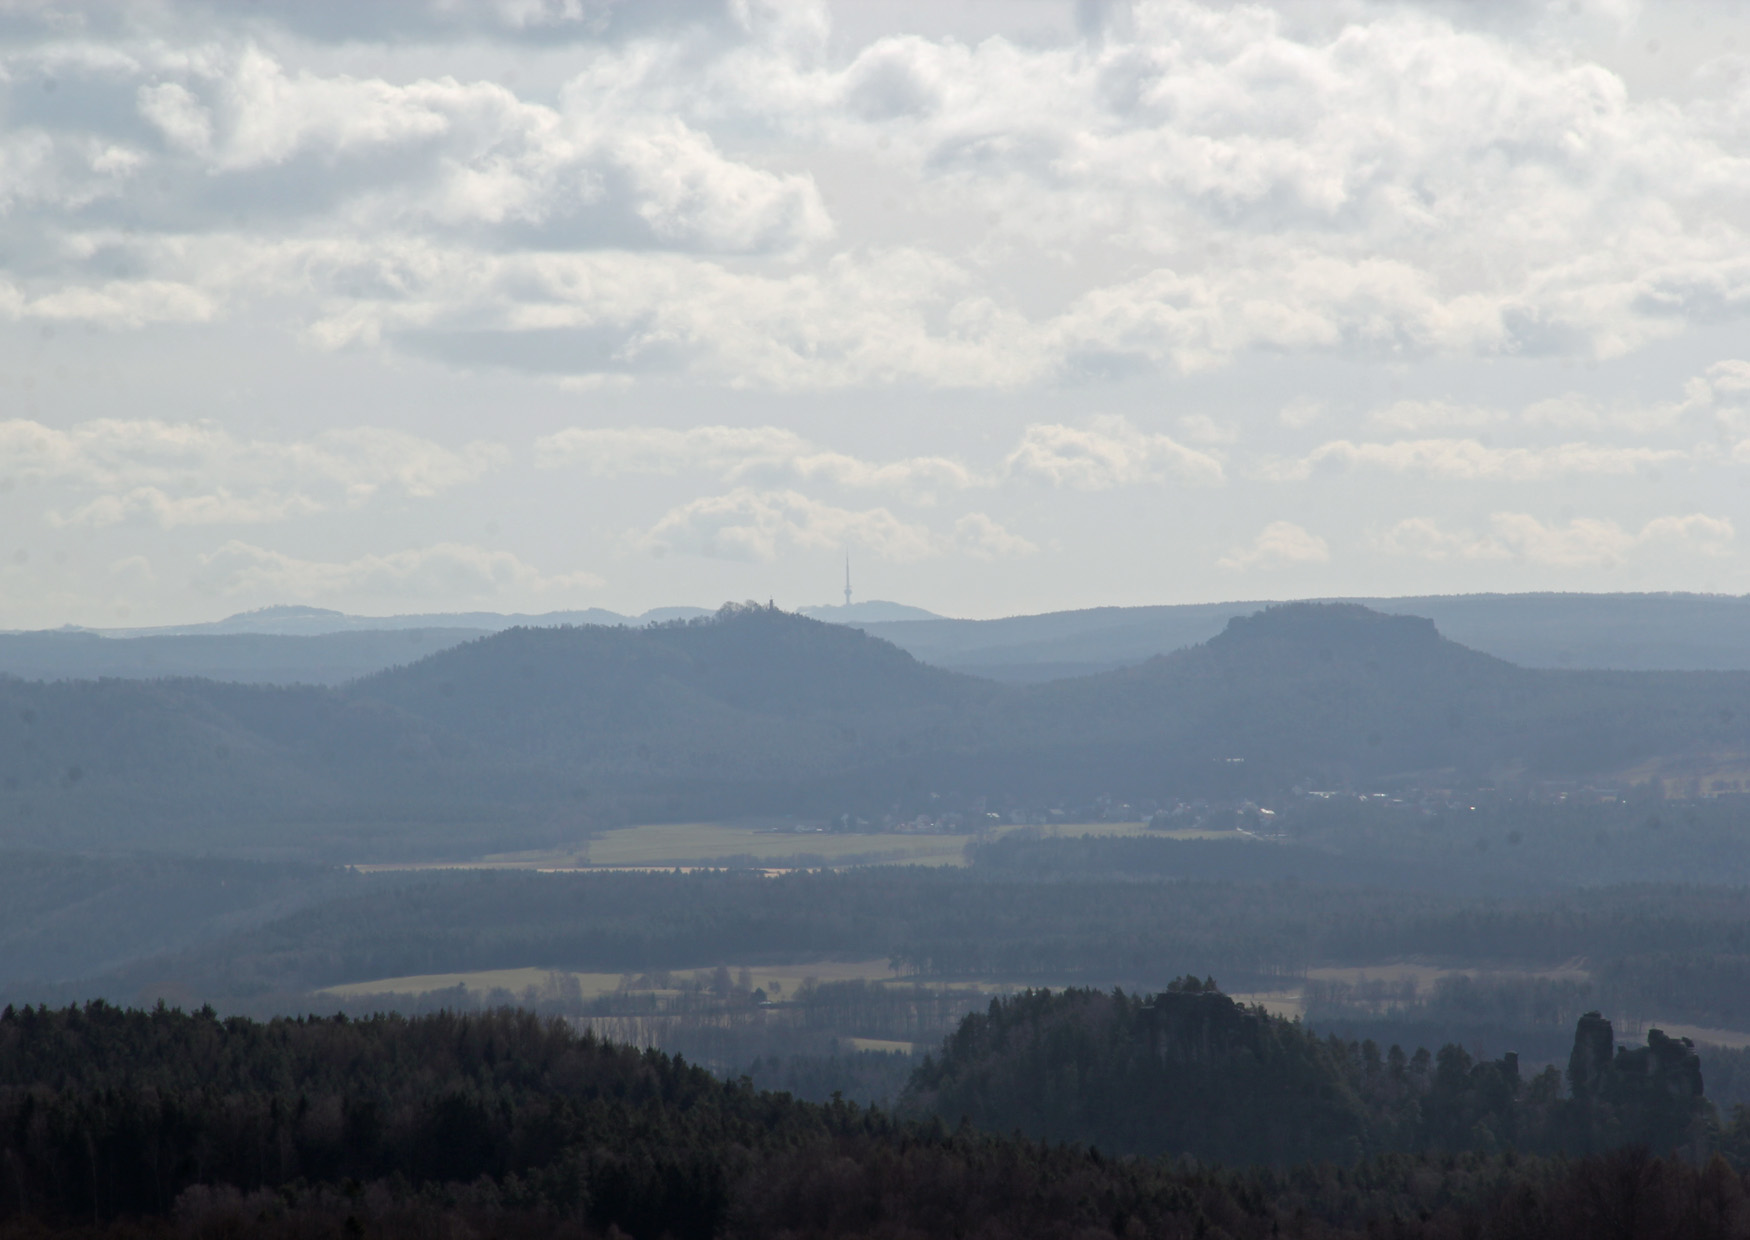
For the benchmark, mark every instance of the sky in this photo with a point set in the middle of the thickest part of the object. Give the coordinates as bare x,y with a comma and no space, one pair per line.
531,305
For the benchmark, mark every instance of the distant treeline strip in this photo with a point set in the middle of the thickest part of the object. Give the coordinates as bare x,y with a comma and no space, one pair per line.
1657,951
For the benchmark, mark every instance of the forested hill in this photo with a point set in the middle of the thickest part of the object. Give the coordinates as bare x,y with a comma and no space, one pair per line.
1192,1071
1315,694
749,693
533,735
201,765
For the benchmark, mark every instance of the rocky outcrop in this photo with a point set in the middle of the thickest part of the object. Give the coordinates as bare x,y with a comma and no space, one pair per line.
1645,1095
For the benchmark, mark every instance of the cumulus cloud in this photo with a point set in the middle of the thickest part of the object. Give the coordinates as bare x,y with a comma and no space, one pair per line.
1594,542
1716,398
867,318
1583,542
1730,377
1201,428
1471,459
735,453
444,570
977,535
197,473
750,524
448,153
1107,452
1395,184
1422,538
1281,544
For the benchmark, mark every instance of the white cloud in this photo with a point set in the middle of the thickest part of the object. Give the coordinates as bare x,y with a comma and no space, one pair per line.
1570,412
735,453
444,570
1397,183
1201,428
750,524
1594,542
1470,459
179,116
197,473
1714,398
977,535
119,303
1422,538
1281,544
1582,542
448,153
1731,378
861,319
1107,452
607,452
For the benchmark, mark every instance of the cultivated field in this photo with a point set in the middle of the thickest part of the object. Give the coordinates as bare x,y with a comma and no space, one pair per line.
691,845
776,980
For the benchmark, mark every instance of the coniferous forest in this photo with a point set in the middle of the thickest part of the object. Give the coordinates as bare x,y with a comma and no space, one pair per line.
1080,1113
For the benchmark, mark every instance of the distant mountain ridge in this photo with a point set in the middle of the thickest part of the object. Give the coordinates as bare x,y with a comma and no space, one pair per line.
304,645
875,611
292,620
542,733
1610,632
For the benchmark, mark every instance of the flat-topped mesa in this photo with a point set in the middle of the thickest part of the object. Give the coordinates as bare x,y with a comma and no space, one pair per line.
1333,627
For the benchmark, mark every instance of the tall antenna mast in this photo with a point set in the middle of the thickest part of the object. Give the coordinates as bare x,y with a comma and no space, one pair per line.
847,579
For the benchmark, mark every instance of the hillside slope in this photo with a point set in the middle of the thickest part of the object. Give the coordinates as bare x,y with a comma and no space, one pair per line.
748,696
535,734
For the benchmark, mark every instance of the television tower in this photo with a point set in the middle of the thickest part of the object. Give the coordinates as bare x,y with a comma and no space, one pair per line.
847,579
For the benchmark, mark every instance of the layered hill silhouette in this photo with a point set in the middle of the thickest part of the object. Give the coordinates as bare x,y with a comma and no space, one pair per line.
1328,695
1621,632
531,733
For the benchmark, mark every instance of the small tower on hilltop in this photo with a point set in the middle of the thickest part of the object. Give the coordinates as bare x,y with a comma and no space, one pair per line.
847,579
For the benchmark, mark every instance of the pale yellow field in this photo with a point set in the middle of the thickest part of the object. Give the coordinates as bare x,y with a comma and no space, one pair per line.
880,1044
781,982
775,980
514,980
700,844
1425,975
1289,1003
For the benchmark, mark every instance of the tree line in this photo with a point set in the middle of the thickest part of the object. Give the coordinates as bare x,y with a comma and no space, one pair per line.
129,1122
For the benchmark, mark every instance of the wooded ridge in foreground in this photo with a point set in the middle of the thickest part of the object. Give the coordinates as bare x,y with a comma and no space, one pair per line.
132,1122
534,735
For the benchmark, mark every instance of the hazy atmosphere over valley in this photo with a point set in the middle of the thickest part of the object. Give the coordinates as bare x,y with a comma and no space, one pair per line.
829,619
